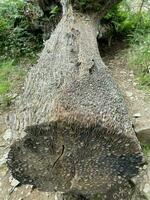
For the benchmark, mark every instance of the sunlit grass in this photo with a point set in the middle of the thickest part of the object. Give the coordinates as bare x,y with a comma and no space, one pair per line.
146,149
139,59
10,76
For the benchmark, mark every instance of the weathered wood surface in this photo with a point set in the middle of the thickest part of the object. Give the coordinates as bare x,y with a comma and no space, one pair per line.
72,123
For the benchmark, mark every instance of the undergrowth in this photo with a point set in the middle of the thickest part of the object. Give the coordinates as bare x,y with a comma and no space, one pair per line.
11,74
133,25
23,29
16,26
20,41
139,58
146,149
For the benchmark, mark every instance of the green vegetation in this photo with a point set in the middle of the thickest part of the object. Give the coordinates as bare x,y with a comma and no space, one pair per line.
87,5
146,150
17,43
55,11
139,58
19,40
134,27
23,27
10,75
17,35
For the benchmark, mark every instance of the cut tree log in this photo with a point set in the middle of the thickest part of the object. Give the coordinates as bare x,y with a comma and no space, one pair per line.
74,134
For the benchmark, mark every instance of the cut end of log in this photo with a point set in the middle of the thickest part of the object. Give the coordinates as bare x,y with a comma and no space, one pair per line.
65,157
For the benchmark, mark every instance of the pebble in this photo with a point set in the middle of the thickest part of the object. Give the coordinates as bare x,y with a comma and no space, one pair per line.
145,167
122,72
132,98
8,135
3,159
129,94
13,182
137,115
146,188
135,84
143,133
28,194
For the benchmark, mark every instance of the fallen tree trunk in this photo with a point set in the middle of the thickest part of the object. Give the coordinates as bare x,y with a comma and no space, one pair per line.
72,122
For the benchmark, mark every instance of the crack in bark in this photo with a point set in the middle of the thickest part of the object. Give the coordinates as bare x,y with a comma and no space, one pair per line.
62,152
93,67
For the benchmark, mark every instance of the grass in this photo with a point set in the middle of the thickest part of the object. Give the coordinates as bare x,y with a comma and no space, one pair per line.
134,26
146,149
139,54
139,59
11,74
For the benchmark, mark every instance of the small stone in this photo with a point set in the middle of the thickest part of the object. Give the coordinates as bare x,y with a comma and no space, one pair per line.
3,159
137,115
132,75
13,96
131,72
122,72
135,84
145,167
47,194
147,188
13,182
27,186
28,194
129,94
8,135
142,130
132,98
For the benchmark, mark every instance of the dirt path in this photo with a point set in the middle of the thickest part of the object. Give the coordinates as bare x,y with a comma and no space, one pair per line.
137,100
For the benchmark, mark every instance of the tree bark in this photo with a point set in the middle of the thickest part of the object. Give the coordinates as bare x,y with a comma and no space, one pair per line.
72,123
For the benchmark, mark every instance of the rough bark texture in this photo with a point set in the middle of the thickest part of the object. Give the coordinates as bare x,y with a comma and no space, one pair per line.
72,122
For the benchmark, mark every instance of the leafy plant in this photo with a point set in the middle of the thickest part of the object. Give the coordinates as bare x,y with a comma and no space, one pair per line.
87,5
139,55
10,76
16,37
134,27
146,149
54,11
22,29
